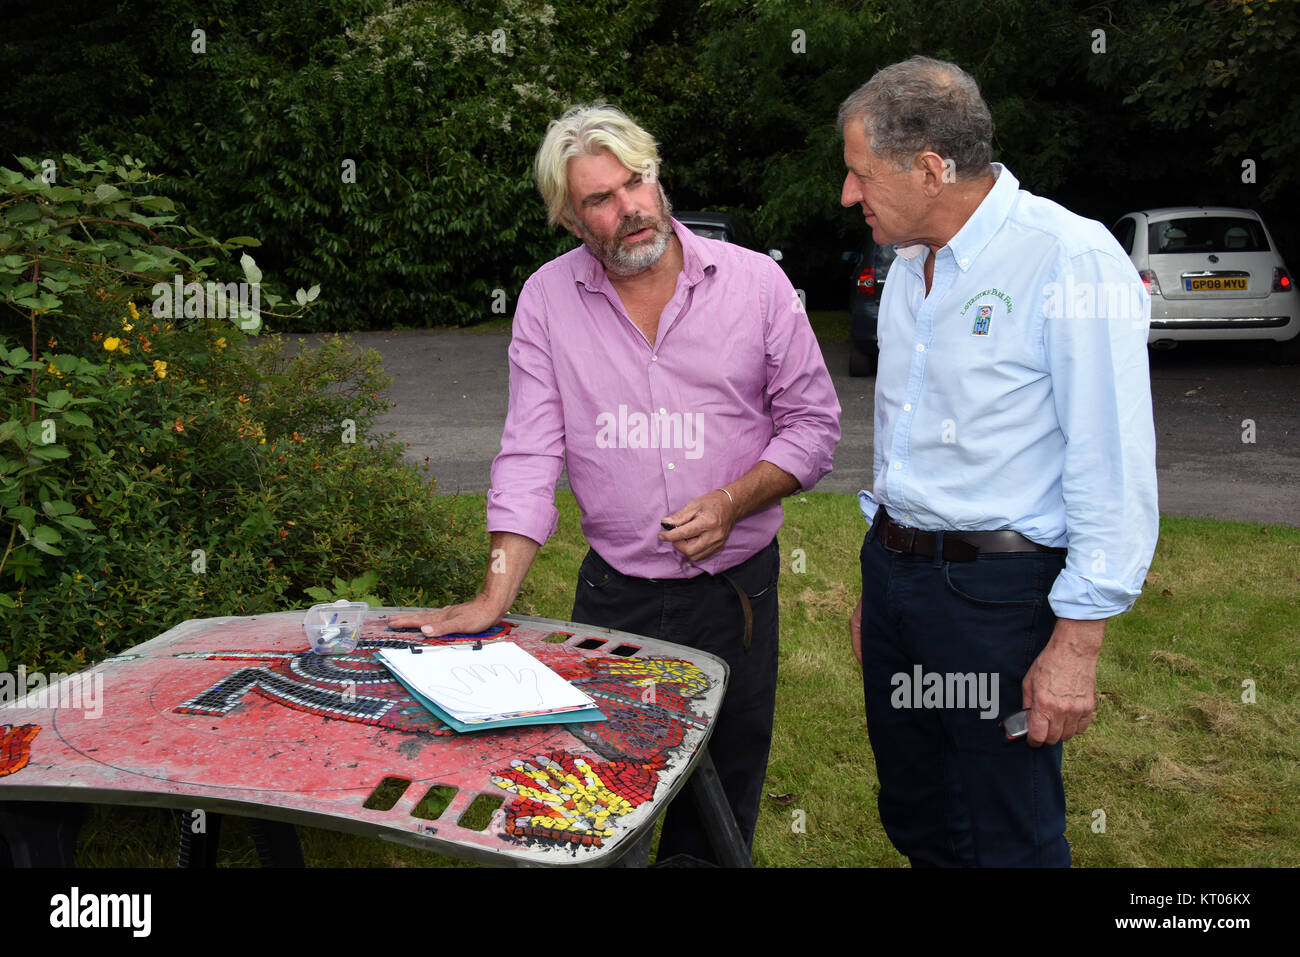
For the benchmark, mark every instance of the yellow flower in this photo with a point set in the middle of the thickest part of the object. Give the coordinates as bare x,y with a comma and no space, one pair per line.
53,370
135,314
126,326
160,368
221,343
111,343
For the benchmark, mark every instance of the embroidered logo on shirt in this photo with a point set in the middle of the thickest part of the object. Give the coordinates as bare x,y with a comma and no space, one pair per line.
983,323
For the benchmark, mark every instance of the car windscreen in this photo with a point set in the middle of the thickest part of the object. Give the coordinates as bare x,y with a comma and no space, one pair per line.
1207,234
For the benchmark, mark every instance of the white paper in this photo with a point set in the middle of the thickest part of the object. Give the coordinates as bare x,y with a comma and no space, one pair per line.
499,679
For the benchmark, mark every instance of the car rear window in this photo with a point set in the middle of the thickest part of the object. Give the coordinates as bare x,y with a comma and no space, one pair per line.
708,232
1207,234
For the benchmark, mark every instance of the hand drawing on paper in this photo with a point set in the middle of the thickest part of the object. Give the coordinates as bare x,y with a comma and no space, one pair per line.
490,687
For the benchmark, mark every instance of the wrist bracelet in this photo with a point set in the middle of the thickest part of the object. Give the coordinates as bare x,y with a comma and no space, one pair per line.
728,494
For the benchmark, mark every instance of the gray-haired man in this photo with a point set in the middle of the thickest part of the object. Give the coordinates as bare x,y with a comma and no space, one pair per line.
1012,423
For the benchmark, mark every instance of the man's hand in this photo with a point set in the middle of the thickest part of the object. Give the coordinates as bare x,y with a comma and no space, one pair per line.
1059,689
507,564
703,525
468,618
855,631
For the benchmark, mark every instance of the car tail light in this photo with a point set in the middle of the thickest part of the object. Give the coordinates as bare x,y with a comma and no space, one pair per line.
867,281
1152,283
1281,281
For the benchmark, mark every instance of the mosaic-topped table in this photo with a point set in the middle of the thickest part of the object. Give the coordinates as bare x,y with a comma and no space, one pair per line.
235,715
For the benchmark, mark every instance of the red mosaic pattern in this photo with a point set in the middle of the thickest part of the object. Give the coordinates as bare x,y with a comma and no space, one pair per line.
16,746
563,797
647,705
351,688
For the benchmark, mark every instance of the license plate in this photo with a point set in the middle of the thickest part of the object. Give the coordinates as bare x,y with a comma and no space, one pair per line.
1213,284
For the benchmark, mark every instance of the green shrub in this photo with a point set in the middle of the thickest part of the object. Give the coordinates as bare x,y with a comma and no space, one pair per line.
155,469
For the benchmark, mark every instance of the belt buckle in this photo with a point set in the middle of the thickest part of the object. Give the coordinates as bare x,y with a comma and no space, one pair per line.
909,540
898,538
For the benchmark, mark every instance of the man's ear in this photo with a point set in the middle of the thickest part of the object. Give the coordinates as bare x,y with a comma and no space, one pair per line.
937,172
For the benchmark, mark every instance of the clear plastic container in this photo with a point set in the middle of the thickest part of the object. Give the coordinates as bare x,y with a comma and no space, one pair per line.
335,629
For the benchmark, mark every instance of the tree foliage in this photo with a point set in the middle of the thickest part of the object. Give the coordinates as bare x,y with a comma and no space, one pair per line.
440,106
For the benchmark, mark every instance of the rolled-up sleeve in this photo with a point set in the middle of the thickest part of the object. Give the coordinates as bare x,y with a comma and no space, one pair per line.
522,497
805,410
1102,391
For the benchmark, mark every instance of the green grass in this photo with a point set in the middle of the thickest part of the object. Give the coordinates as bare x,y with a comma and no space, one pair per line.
830,326
1186,774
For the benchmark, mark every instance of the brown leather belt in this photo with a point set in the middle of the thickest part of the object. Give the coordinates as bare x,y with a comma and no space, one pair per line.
957,546
745,607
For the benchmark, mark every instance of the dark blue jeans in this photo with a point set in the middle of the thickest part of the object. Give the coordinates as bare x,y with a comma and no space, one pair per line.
704,613
942,643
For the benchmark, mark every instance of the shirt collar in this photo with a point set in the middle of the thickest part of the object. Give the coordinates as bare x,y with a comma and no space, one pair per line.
698,257
987,219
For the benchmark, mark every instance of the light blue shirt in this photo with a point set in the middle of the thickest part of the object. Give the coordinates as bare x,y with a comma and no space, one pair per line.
1016,395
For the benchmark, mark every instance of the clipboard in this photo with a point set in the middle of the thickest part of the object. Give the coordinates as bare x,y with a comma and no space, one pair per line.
524,715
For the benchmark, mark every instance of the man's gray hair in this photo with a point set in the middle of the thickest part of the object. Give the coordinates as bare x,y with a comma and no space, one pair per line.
923,105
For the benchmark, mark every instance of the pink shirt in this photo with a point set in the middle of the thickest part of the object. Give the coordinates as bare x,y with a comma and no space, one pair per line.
735,376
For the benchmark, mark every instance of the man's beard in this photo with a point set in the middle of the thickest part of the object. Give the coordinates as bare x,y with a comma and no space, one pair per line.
620,260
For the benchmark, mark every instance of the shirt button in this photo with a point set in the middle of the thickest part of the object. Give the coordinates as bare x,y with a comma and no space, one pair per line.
663,411
897,466
907,407
920,347
671,465
965,262
654,358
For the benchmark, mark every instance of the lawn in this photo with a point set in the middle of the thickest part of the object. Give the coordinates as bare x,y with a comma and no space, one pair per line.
1184,772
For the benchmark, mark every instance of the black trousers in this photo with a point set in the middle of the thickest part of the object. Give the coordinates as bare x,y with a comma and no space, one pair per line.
954,792
705,613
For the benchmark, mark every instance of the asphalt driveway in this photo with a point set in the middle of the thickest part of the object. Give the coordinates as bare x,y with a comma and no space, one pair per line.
450,395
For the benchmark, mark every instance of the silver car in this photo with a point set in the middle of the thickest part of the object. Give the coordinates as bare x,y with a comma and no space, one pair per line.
1213,272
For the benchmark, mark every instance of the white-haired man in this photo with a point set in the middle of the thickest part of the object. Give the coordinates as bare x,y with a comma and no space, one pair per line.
679,380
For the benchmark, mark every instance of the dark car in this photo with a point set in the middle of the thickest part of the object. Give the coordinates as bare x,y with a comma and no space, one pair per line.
870,267
724,226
